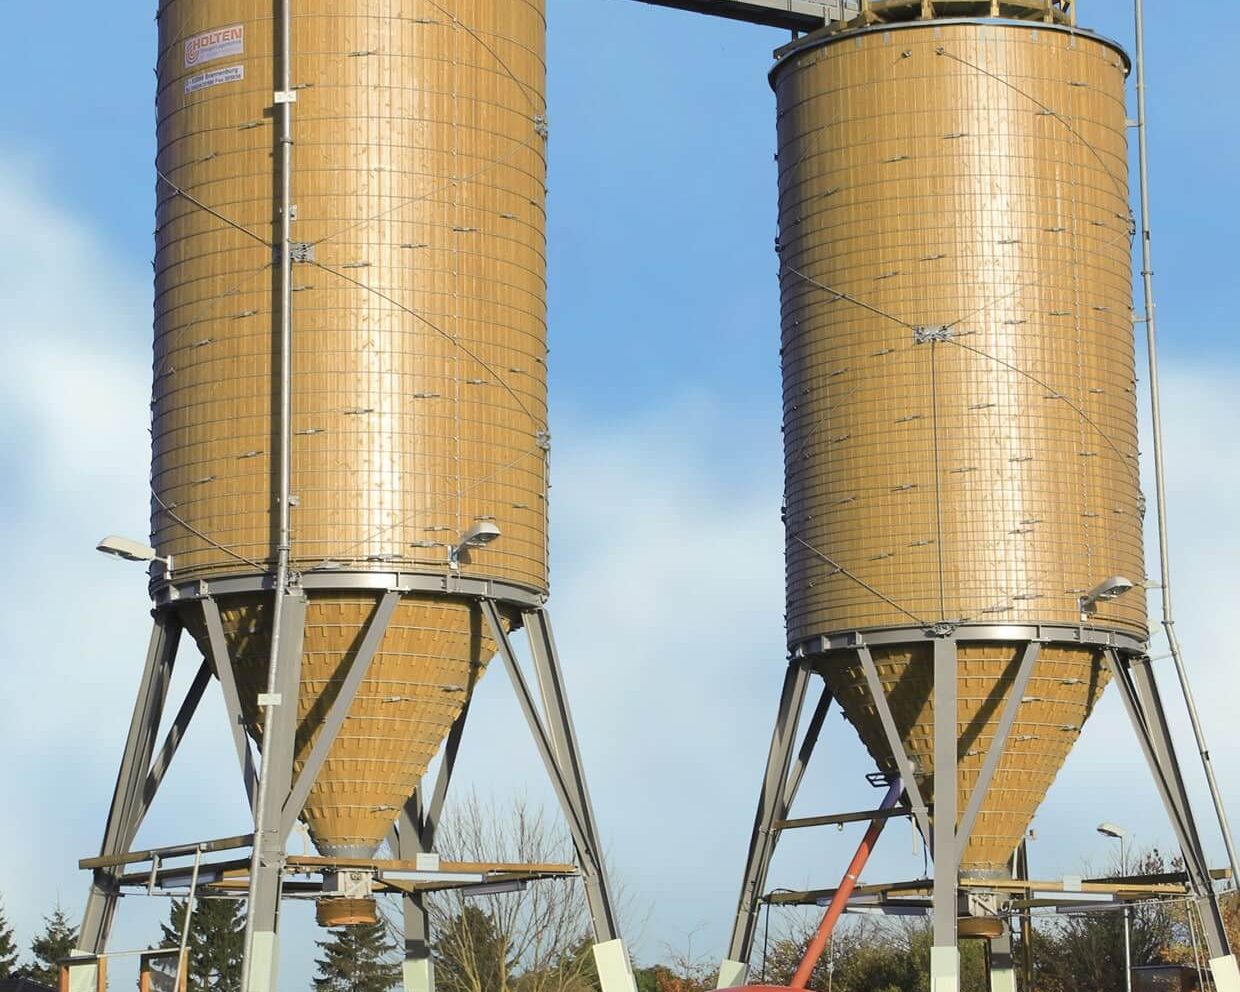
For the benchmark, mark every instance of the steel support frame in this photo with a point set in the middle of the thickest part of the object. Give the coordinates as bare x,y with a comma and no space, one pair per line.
143,768
948,833
1142,700
945,845
780,785
1133,674
412,836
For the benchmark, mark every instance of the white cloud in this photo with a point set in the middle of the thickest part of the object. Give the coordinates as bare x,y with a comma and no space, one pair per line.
74,382
668,604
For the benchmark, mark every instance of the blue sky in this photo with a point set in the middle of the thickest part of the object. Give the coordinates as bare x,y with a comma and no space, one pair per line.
664,319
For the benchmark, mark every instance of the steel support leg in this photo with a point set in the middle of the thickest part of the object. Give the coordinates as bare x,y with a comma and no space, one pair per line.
557,744
733,970
611,957
124,817
999,964
412,838
277,757
1142,700
414,835
944,955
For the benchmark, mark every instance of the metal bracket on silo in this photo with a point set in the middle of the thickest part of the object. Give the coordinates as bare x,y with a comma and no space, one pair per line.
925,334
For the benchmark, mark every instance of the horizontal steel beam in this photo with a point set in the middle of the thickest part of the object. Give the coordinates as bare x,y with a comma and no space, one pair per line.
837,818
1123,641
177,851
1167,877
813,897
446,583
314,863
794,15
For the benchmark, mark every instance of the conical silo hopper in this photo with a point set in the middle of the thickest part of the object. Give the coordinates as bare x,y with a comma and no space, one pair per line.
418,386
960,412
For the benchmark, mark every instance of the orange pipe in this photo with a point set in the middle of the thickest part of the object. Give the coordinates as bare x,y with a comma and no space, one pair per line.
840,900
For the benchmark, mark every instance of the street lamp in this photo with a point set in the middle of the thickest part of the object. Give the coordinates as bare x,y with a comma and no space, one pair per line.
131,550
1119,833
1104,592
477,536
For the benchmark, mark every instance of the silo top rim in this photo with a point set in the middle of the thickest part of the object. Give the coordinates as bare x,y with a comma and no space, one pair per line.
830,35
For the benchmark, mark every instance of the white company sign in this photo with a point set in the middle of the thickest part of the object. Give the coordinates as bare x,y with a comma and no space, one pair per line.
214,77
216,44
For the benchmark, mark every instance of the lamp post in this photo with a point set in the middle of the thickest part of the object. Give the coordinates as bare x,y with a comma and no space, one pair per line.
130,550
1120,834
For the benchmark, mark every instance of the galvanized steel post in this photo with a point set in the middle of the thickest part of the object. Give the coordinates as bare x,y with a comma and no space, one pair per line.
261,949
1160,477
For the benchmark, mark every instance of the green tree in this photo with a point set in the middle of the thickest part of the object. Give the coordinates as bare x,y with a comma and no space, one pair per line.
51,947
870,956
573,970
1086,950
471,955
216,940
8,948
532,940
656,978
357,959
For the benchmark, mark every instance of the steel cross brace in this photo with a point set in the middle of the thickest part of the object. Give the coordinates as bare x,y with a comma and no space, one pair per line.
176,734
129,801
232,696
376,629
780,786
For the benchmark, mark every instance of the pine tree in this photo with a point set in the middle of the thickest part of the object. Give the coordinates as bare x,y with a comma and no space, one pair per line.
216,943
357,959
50,948
8,948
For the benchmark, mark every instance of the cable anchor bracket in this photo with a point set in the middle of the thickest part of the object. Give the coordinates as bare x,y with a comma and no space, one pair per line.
925,334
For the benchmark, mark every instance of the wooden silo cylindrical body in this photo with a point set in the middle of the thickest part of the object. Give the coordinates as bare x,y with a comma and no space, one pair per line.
419,348
960,410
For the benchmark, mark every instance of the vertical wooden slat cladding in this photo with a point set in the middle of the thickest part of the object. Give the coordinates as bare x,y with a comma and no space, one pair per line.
419,329
965,182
